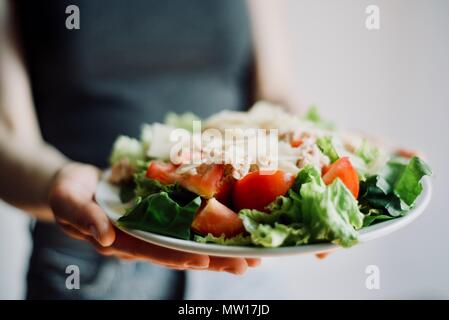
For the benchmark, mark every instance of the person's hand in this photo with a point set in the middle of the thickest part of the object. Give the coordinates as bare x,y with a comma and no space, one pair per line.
72,201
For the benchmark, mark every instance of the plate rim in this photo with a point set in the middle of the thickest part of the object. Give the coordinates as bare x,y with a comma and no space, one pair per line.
366,234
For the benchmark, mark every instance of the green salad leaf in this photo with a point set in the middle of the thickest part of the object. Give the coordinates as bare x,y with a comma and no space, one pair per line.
279,227
130,189
127,192
370,219
273,235
164,209
368,152
326,147
408,186
313,115
239,240
284,209
161,214
330,213
145,187
394,190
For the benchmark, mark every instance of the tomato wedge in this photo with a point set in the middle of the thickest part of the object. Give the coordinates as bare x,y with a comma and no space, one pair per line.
406,153
296,142
343,169
217,219
257,190
324,170
206,183
224,193
163,172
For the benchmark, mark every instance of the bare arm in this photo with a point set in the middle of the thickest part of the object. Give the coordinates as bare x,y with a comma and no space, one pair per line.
274,65
27,164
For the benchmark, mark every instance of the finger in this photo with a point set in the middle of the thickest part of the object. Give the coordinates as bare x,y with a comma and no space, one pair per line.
74,206
231,265
156,254
66,225
73,232
253,262
110,251
94,220
125,256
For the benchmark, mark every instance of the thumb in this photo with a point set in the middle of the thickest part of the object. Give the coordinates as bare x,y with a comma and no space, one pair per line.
98,225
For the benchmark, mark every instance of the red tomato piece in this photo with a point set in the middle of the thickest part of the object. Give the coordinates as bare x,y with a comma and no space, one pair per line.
343,169
257,190
206,183
163,172
406,153
224,194
296,142
217,219
324,170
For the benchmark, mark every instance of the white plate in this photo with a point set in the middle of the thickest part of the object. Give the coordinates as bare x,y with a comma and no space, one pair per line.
107,196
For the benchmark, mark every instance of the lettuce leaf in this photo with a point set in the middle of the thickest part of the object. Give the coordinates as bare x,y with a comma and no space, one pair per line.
239,240
369,220
326,147
159,213
291,235
145,187
394,190
127,192
258,217
368,152
330,213
164,209
408,186
266,230
283,210
279,235
313,115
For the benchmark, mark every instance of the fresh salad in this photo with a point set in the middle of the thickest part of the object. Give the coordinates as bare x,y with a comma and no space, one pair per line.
323,185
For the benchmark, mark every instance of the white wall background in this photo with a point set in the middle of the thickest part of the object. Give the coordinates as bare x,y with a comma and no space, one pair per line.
393,82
